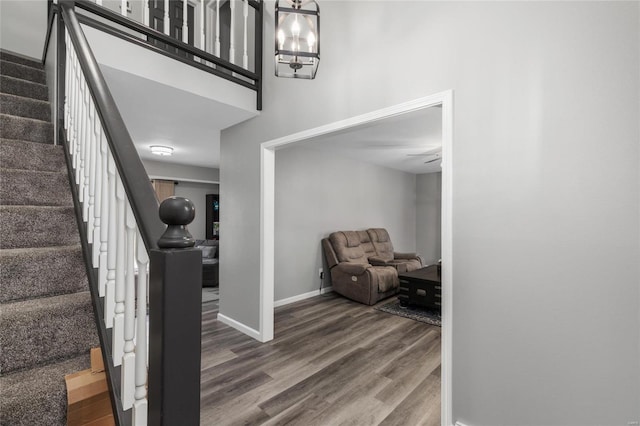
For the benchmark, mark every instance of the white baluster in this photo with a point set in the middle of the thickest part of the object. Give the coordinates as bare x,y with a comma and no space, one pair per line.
90,173
80,144
203,44
245,14
129,358
104,214
86,153
110,288
140,404
123,7
218,28
72,96
167,21
118,318
145,16
232,31
67,84
185,22
97,198
75,116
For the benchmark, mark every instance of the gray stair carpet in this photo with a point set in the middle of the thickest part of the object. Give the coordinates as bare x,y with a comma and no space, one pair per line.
46,317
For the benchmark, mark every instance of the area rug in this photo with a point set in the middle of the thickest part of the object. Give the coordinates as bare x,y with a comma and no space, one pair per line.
210,294
417,314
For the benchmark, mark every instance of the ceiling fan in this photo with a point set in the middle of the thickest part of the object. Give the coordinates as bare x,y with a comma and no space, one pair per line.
431,155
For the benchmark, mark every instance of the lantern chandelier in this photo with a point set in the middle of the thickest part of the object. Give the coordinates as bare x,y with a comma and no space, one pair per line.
297,38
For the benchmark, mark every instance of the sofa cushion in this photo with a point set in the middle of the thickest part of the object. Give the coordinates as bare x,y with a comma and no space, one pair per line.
208,252
346,245
367,245
381,242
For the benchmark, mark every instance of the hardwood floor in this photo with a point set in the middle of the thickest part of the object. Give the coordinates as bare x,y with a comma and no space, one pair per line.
332,362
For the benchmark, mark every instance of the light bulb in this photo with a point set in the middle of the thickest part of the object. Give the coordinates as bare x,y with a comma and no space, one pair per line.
295,28
281,38
311,40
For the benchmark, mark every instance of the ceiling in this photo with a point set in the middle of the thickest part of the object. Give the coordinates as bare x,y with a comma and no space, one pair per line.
410,142
155,114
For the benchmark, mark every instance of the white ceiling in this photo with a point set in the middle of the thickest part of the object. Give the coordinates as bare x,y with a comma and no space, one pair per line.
407,142
157,114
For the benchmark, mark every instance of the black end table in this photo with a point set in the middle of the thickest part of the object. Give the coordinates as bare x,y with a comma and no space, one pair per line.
421,288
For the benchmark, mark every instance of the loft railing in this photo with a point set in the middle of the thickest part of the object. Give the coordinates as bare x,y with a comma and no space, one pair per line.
229,33
123,237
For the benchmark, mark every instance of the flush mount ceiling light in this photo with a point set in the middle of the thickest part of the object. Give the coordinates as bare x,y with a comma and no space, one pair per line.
297,38
161,150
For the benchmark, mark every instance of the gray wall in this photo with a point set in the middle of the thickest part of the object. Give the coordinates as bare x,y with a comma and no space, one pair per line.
318,193
15,36
197,192
545,174
428,220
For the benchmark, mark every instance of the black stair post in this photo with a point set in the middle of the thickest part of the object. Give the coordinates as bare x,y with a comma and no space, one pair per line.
175,300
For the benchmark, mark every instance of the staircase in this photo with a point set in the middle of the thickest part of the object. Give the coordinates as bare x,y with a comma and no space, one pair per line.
46,316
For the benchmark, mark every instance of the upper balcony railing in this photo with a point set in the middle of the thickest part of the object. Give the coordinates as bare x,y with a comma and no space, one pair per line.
223,37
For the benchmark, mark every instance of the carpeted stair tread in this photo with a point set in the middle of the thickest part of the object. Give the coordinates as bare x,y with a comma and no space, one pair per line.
17,154
34,188
20,87
38,396
25,107
25,72
41,272
26,129
37,226
39,331
17,59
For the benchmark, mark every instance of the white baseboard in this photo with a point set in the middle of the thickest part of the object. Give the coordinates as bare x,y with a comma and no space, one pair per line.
459,424
239,326
303,296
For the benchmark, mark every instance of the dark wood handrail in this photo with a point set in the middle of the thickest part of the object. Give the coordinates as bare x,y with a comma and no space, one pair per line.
134,177
157,35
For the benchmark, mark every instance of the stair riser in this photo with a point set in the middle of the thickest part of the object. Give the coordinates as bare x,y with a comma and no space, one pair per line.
8,57
24,72
15,154
25,107
31,273
46,331
23,227
15,86
31,188
26,129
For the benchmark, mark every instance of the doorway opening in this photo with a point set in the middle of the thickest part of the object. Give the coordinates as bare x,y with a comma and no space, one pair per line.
267,214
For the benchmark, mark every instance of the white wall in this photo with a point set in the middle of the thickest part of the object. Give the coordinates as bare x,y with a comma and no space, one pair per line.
197,193
318,193
15,36
428,217
545,179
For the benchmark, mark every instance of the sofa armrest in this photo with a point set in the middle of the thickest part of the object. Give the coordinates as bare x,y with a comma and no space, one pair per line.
352,268
378,261
397,255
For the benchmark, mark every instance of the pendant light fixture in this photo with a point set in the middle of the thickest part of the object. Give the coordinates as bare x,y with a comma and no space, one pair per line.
297,38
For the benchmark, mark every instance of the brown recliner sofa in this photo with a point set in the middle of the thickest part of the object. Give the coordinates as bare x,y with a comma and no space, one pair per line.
349,256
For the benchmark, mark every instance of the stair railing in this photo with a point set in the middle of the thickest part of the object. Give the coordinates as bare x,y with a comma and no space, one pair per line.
232,64
123,237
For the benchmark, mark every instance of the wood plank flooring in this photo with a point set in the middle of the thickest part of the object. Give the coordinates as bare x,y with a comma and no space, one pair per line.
332,362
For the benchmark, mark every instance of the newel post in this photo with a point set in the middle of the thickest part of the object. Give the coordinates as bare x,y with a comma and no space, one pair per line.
175,297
